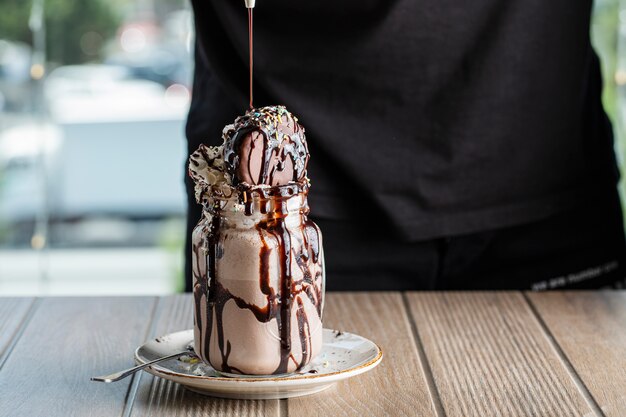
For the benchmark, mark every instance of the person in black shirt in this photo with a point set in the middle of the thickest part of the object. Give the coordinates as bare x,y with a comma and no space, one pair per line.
454,145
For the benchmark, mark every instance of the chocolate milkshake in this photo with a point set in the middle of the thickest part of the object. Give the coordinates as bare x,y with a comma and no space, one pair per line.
257,259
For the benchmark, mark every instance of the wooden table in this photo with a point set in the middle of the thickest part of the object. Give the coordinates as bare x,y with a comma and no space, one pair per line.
446,354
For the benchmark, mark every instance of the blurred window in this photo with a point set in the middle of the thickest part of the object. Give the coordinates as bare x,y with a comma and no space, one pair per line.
93,95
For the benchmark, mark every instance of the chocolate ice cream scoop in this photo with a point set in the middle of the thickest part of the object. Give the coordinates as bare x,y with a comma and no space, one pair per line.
266,146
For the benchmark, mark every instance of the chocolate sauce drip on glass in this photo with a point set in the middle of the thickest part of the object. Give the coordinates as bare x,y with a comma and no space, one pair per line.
199,289
212,238
304,330
279,307
290,288
286,296
264,278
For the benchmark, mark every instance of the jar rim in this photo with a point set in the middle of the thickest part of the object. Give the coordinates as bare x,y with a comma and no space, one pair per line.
267,200
245,192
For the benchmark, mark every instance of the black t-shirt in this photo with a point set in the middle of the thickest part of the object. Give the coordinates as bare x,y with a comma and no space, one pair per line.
437,117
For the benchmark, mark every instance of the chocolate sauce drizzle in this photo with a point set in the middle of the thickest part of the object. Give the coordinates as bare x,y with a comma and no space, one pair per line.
305,240
278,147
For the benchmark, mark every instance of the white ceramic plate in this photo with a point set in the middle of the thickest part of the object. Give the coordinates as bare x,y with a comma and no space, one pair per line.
343,355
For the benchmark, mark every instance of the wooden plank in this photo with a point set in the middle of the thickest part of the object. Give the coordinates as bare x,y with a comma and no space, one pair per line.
67,341
13,313
490,356
160,397
590,328
397,387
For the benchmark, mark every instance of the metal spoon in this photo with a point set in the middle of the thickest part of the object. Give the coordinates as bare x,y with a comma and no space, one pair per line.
127,372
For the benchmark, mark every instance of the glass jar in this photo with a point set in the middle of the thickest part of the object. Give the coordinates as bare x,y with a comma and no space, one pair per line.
259,279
